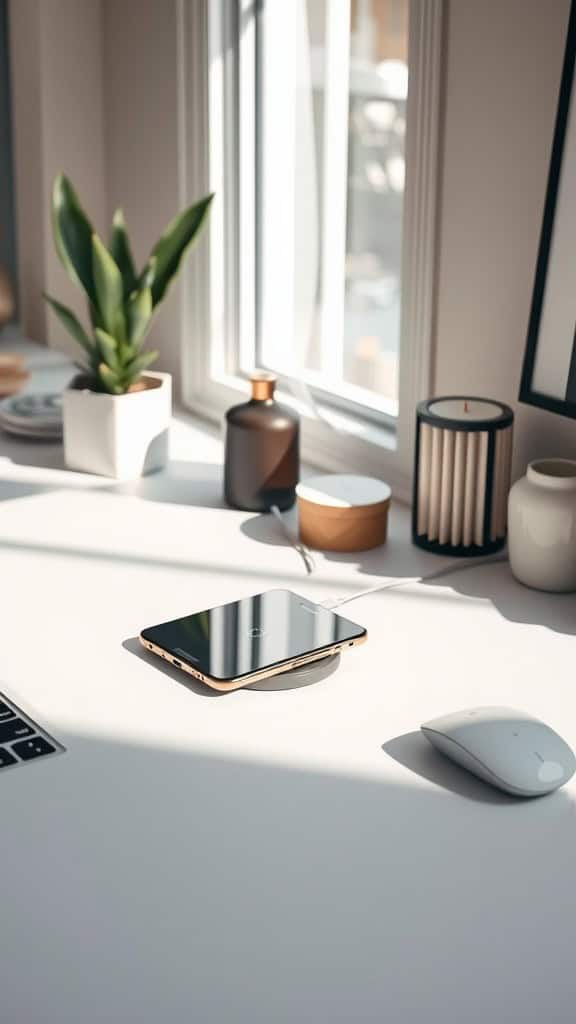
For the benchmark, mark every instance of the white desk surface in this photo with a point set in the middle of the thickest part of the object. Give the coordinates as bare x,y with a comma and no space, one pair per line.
259,857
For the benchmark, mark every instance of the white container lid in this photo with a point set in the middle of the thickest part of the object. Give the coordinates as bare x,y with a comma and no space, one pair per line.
343,491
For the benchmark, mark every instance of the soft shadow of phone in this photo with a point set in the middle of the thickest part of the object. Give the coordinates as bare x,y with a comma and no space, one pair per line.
133,645
414,752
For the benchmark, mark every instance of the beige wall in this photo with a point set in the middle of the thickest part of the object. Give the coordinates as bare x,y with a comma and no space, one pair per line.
504,59
95,94
58,125
24,25
141,104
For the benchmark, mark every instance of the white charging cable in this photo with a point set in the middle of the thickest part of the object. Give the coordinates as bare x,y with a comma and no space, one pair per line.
294,540
390,584
404,581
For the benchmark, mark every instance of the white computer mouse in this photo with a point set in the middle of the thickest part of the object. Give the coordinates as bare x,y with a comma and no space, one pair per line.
507,748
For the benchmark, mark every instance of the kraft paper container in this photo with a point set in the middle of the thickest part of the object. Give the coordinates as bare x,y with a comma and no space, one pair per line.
343,512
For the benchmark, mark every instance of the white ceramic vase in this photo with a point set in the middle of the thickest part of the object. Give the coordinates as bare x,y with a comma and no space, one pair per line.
121,436
542,526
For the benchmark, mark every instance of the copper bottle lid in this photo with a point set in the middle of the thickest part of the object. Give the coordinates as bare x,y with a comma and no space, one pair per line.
263,385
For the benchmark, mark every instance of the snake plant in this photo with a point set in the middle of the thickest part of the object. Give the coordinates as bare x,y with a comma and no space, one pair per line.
121,300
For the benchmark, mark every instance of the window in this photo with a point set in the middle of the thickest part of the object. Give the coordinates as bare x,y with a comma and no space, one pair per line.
319,263
330,184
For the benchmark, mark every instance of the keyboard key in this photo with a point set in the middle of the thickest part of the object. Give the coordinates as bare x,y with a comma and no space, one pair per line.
5,711
6,758
37,747
14,729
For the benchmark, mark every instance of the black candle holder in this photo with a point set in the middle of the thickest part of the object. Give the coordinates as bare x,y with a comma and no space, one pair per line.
461,475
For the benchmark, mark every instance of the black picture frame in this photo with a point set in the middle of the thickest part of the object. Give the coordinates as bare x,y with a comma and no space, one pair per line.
565,406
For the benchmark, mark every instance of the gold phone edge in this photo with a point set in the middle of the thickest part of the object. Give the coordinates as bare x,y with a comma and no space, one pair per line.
255,677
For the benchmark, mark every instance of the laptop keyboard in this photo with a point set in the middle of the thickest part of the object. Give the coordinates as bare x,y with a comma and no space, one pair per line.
20,738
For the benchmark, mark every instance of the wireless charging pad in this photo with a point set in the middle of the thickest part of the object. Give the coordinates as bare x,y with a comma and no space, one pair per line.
304,676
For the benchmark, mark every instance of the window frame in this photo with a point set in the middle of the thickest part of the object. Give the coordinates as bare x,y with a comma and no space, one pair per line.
216,78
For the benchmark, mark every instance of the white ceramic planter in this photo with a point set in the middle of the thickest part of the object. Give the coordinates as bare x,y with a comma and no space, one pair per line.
542,526
121,436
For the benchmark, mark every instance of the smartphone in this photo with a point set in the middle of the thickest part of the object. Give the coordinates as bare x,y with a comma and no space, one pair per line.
252,639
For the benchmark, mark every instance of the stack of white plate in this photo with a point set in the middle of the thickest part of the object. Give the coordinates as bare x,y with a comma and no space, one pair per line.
37,416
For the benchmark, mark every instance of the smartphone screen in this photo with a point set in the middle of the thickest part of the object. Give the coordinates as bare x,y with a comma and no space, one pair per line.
255,633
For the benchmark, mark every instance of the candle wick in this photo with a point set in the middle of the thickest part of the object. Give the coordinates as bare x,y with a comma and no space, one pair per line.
466,407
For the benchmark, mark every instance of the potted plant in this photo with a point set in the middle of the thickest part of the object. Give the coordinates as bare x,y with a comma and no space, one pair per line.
116,416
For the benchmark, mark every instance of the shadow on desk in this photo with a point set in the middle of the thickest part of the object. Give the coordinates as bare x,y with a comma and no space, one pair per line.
514,601
414,752
198,484
395,558
11,490
175,884
485,582
37,453
133,645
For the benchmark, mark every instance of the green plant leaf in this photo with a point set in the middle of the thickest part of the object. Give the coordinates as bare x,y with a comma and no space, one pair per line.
139,315
71,323
110,380
108,347
169,250
135,368
121,253
147,276
72,235
129,353
95,318
109,289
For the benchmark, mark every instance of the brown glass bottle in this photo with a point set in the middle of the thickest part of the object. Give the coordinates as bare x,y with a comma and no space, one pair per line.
262,450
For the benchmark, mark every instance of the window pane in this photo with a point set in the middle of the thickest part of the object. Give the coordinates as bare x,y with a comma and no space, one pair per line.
332,102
